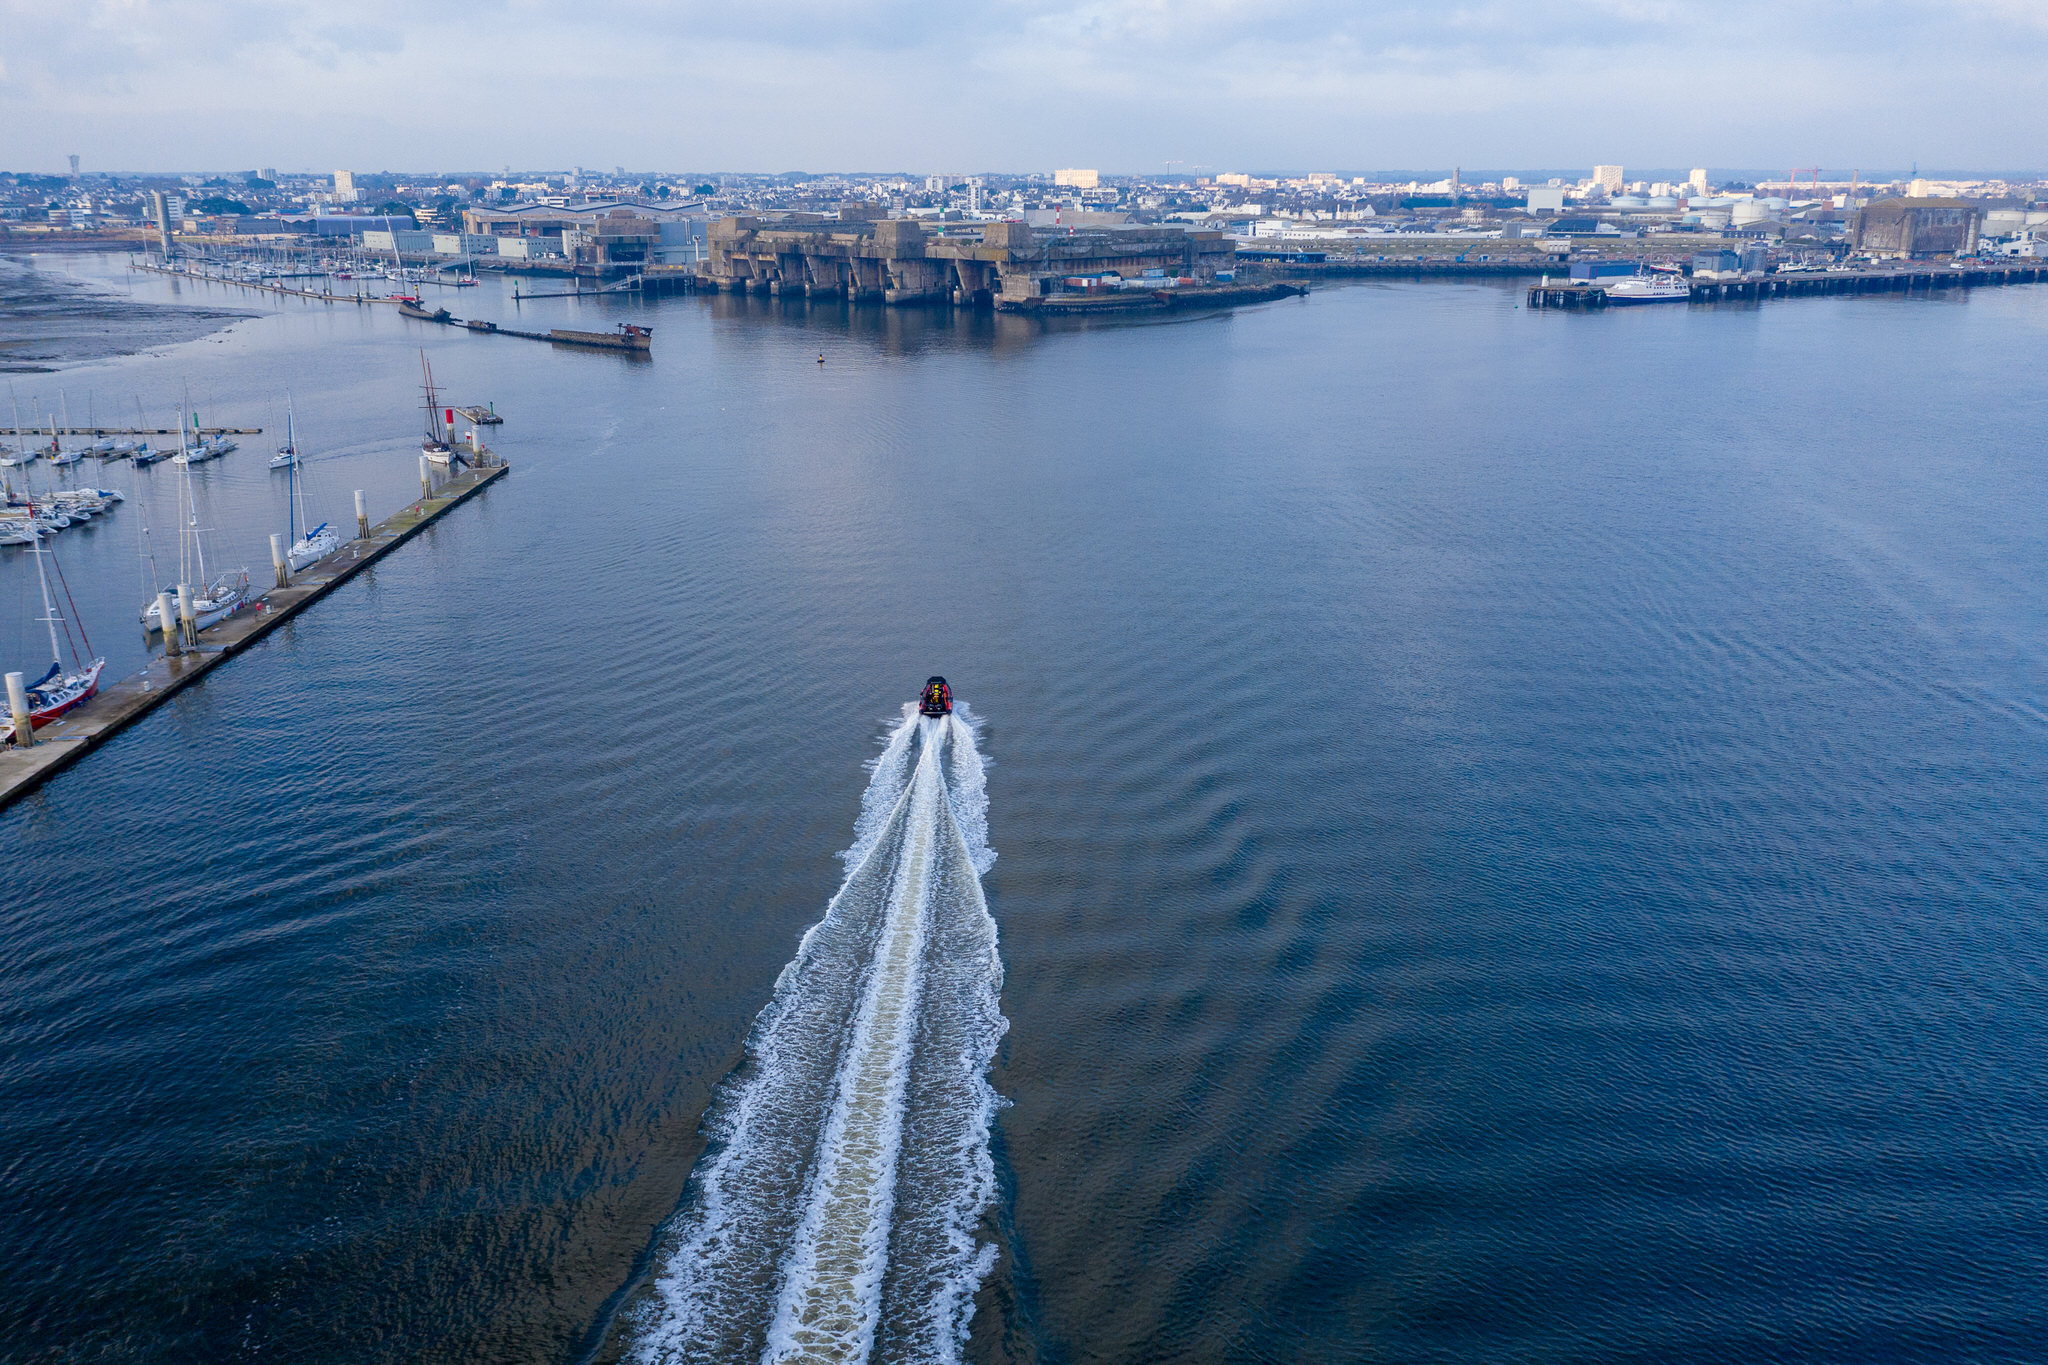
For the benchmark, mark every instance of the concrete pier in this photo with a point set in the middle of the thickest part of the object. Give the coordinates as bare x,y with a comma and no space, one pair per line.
1793,284
118,705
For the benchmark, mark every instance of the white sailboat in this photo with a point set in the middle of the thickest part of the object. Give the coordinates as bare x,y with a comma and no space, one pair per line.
19,455
187,455
211,601
436,445
59,456
56,691
288,453
320,542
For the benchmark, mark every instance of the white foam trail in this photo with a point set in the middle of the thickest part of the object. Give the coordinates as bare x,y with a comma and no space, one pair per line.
836,1213
889,770
967,784
832,1297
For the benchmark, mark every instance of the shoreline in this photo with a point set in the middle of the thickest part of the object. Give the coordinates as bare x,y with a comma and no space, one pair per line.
51,321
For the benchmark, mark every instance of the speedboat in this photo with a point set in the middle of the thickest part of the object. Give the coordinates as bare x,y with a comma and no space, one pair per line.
936,699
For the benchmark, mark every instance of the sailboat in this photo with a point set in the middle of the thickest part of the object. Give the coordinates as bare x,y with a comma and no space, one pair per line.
287,455
56,691
436,446
59,456
319,542
211,601
187,455
19,454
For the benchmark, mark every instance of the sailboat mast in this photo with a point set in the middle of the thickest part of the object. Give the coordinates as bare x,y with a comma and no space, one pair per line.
49,611
291,497
198,545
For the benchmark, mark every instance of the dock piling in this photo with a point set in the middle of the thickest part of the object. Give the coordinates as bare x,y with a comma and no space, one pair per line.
17,705
362,517
426,480
165,615
188,619
277,560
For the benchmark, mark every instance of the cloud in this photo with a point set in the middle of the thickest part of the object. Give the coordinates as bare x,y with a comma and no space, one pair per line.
996,84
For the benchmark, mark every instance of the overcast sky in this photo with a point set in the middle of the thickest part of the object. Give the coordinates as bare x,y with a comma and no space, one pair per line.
1130,86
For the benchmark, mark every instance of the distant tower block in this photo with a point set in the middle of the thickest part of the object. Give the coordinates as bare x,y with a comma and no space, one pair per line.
1697,182
1608,178
74,165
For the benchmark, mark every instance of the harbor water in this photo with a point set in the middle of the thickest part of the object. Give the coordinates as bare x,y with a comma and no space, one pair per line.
1471,835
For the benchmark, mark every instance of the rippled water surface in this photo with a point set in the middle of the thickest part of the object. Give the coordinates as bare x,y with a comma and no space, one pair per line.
1520,838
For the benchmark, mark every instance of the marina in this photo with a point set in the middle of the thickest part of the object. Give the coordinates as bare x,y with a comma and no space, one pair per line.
116,706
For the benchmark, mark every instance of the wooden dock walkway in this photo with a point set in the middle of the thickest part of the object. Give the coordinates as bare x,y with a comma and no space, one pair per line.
1800,283
118,705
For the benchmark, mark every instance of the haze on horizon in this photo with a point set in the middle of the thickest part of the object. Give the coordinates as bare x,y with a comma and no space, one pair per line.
1128,86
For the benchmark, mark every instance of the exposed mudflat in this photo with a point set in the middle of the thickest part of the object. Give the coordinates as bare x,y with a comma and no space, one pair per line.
48,320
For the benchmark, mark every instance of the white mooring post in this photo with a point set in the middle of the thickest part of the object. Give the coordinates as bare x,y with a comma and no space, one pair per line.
167,616
426,487
17,705
188,619
362,517
277,559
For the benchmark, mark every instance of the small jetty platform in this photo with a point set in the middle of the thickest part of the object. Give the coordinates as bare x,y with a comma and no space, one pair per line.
1801,283
119,705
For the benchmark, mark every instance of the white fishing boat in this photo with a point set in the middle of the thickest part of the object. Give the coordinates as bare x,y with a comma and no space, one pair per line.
56,691
318,543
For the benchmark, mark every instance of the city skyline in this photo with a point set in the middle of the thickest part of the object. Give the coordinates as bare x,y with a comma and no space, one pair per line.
1127,87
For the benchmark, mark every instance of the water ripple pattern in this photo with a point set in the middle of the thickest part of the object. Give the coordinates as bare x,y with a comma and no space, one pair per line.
835,1215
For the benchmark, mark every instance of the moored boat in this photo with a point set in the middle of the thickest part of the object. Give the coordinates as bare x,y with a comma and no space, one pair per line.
56,692
1659,286
318,543
436,444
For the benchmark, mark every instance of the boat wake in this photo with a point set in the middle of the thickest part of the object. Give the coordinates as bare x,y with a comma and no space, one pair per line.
835,1215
